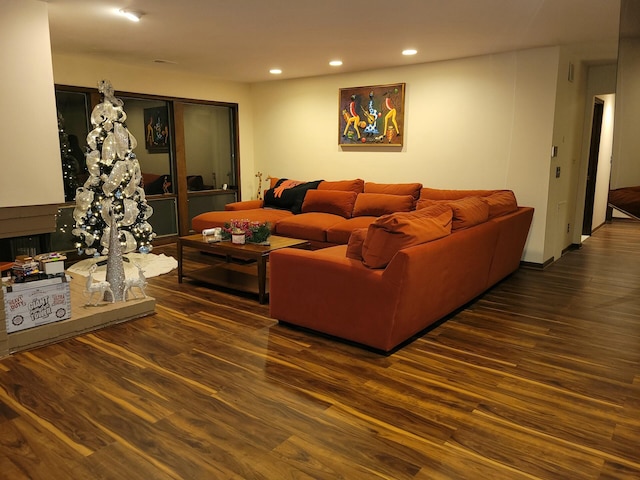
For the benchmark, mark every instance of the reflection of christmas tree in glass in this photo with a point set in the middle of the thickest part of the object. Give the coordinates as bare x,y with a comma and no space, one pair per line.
112,194
70,165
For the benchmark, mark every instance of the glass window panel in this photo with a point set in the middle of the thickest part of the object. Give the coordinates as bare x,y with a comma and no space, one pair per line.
206,203
164,220
62,240
209,140
73,120
149,122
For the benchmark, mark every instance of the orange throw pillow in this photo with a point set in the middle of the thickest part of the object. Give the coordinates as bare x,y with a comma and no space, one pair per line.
356,240
376,204
336,202
396,231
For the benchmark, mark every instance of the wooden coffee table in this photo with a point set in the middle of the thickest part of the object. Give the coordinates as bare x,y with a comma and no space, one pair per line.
227,273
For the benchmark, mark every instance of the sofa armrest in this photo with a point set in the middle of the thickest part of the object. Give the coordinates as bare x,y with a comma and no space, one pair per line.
323,290
514,231
244,205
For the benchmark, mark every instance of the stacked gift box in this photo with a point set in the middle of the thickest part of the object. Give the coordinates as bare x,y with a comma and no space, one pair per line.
26,268
51,263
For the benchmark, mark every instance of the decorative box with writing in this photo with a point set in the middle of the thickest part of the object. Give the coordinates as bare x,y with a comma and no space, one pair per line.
31,304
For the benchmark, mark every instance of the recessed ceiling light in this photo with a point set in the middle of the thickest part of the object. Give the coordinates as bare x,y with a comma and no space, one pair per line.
275,71
130,14
409,51
335,63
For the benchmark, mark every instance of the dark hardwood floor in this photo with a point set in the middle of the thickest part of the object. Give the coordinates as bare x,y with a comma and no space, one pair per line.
537,379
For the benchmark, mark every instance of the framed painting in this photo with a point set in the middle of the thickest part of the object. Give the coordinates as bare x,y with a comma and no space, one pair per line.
156,128
371,116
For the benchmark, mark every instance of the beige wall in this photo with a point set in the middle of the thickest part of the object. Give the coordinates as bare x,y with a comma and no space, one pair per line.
30,153
482,122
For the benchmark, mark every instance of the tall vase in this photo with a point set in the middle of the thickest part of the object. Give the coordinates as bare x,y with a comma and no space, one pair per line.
115,265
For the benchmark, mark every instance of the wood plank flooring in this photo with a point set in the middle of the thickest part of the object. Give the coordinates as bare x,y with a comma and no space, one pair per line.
537,379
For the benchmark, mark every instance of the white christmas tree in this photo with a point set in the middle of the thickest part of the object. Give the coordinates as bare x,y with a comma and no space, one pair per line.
111,214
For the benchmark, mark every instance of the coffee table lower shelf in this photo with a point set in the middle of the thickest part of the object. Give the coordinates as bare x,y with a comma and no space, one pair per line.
229,275
245,268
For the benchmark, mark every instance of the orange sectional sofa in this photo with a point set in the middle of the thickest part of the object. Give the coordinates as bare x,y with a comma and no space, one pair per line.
389,259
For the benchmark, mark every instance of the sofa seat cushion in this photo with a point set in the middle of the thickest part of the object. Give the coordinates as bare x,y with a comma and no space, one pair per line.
330,201
391,233
308,226
356,185
412,189
467,212
244,205
219,218
340,232
378,204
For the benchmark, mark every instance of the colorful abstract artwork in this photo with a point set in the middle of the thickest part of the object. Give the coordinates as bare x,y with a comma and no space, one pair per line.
371,116
156,122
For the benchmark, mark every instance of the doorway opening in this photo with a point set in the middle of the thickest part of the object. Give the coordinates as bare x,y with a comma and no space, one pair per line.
592,168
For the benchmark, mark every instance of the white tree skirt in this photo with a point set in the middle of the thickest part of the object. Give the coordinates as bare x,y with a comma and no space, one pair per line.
151,264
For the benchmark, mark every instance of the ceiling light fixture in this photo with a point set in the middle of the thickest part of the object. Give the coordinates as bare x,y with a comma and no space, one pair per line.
275,71
409,51
130,14
335,63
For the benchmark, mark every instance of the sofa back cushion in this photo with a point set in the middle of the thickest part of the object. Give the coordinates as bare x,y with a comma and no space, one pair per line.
412,189
356,185
396,231
377,204
501,203
443,194
336,202
467,212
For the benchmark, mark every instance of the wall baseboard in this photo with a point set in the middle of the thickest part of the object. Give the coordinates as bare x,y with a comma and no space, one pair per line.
537,266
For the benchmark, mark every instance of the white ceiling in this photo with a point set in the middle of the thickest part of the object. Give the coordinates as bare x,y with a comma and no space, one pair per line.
240,40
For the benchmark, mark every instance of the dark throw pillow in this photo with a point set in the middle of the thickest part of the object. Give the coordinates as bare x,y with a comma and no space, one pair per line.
290,198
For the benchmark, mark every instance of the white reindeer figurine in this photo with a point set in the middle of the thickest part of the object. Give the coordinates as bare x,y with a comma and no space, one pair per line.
93,287
140,282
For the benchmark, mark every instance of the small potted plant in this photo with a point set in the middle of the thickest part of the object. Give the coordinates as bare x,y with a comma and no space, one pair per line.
245,231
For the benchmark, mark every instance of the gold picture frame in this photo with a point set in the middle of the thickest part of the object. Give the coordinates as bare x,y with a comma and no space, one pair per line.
371,116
